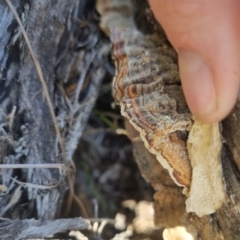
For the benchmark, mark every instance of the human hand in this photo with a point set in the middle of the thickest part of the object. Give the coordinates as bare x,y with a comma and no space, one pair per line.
206,35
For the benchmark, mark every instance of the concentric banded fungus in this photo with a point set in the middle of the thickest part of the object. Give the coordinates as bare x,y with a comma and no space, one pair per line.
147,87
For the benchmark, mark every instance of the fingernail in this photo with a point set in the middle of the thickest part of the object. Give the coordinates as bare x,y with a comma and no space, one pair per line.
197,82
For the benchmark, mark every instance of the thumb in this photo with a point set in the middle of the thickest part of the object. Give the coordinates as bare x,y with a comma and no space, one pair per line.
205,35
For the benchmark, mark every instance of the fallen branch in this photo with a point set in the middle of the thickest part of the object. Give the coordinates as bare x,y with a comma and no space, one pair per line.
31,228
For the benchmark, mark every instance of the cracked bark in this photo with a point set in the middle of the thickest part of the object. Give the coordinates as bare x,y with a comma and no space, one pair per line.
71,50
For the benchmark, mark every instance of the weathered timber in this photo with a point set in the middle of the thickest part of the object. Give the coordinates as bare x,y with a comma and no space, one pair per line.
71,50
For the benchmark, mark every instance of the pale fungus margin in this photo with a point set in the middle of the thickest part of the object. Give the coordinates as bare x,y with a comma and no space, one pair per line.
207,191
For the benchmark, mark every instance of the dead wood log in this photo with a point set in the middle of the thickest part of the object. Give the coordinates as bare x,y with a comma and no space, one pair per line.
68,43
30,228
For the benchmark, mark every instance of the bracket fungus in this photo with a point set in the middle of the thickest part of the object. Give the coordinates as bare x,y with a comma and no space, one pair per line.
148,89
145,83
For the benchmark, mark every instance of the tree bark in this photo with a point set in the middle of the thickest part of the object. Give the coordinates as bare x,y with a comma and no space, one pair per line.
71,49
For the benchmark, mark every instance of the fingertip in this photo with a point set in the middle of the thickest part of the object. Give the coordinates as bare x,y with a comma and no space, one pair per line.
210,91
226,96
206,36
224,106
